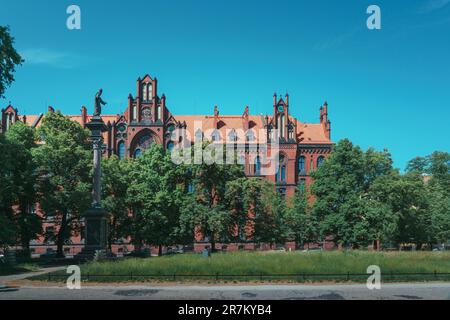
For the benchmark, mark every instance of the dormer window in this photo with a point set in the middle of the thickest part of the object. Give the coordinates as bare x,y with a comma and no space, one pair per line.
233,136
198,135
215,136
250,136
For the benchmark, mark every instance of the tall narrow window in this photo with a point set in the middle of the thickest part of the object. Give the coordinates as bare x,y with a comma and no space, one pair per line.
320,161
137,153
158,113
150,91
121,148
281,172
170,146
9,120
144,92
232,136
198,135
215,136
301,166
134,113
250,136
257,169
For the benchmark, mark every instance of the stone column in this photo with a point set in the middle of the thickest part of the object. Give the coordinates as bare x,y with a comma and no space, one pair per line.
97,143
96,222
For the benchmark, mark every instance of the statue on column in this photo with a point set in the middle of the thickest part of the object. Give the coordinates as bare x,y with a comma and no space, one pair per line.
98,103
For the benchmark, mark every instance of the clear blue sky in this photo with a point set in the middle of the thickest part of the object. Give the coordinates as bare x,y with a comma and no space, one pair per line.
387,89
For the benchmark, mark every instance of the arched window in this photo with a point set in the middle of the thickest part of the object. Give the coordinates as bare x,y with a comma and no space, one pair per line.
137,153
158,113
134,113
142,143
320,160
281,172
232,136
301,165
170,146
171,128
150,91
144,92
9,120
250,136
215,136
121,148
257,167
198,135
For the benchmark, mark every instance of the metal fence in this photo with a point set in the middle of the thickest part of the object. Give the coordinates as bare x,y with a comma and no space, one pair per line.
299,277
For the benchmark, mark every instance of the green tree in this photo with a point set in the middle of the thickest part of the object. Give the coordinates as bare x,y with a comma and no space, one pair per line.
155,195
344,199
22,142
269,226
439,206
210,217
436,165
7,226
254,210
300,223
116,181
64,164
9,59
437,190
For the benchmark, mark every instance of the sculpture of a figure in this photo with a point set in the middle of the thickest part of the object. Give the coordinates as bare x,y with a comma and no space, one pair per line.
98,103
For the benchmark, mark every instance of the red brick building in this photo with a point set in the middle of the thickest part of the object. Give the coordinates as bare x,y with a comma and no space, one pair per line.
147,119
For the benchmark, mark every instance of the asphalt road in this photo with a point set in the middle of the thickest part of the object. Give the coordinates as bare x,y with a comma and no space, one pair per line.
426,291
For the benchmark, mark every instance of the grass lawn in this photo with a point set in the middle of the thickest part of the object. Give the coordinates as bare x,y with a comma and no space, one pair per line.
20,268
271,266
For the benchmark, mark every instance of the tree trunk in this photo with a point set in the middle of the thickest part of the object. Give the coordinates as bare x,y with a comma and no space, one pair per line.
213,243
60,238
25,248
160,250
60,246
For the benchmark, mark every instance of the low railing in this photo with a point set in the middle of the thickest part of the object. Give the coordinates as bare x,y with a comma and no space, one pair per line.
348,276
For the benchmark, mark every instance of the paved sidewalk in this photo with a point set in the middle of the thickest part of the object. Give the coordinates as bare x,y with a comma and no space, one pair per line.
21,276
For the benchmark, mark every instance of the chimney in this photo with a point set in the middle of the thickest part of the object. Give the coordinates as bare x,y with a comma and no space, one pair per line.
83,116
274,99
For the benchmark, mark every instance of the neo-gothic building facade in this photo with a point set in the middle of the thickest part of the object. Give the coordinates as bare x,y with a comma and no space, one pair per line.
147,119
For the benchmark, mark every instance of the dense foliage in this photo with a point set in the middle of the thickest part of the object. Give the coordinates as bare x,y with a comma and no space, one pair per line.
357,197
